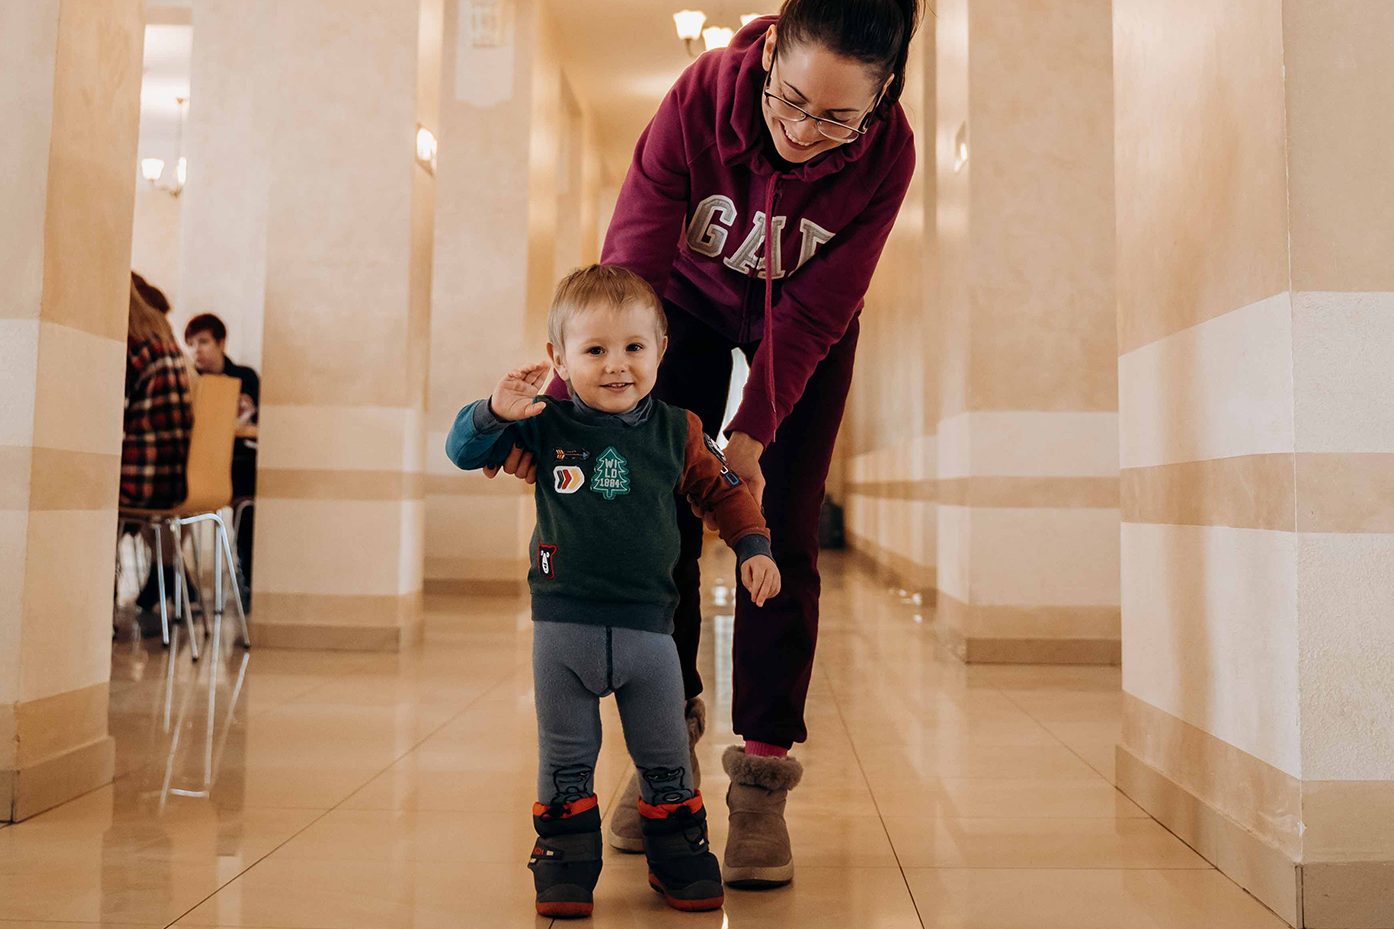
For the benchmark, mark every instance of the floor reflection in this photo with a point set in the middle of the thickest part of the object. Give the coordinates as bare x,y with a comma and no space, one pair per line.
321,790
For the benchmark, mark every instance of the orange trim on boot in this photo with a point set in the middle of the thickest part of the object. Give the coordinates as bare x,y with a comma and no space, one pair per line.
664,810
564,910
574,808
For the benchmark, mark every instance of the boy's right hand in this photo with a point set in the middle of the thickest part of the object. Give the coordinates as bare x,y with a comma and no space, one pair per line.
515,397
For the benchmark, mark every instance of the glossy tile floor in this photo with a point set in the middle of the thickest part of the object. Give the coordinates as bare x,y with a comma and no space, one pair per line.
348,791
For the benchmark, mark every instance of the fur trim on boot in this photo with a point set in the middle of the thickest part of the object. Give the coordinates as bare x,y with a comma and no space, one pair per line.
696,713
761,771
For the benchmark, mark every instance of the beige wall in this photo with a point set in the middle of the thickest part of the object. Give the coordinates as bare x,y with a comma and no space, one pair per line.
224,207
1027,437
155,238
518,201
72,102
886,478
307,213
1254,321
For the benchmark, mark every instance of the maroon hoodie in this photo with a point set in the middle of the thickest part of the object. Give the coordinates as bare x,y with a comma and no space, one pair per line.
694,211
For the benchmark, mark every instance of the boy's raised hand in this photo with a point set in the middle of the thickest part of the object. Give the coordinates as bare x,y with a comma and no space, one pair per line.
760,575
515,397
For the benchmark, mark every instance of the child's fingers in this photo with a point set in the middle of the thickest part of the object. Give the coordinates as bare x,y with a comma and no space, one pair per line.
533,409
766,586
750,577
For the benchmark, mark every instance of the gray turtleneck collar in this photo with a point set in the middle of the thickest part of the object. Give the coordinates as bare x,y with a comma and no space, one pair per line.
635,417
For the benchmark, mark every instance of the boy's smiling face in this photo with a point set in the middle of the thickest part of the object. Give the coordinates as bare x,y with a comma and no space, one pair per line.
610,356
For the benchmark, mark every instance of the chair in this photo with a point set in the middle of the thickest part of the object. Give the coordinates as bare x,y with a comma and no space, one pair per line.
209,474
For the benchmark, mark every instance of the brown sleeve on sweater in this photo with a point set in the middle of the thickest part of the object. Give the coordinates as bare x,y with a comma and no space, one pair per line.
707,481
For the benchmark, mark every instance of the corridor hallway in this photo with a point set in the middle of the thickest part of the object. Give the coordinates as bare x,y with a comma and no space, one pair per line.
378,791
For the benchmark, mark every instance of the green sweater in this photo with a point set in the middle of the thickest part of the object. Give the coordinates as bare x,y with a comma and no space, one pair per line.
607,532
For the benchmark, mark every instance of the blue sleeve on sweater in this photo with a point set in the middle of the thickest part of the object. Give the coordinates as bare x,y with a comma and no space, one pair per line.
479,439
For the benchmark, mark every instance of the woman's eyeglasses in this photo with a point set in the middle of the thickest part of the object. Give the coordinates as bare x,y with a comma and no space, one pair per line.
830,129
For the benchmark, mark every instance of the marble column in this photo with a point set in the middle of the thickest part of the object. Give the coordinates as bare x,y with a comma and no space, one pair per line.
888,487
1027,438
323,204
518,186
71,104
1256,323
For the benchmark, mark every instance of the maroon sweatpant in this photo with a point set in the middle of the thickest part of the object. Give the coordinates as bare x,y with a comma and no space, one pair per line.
774,644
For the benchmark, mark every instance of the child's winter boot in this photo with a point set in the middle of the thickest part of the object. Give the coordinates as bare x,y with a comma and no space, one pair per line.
681,864
565,862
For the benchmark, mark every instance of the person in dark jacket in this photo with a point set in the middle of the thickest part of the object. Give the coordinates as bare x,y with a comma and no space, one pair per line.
206,336
757,204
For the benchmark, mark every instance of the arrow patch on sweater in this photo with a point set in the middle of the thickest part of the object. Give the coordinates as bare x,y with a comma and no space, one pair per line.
610,478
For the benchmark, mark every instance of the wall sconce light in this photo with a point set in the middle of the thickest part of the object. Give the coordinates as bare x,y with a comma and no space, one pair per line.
961,147
426,148
689,26
152,169
717,37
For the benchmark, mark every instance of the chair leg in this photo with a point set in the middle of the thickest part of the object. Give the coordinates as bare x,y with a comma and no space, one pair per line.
232,579
218,604
198,577
181,584
160,578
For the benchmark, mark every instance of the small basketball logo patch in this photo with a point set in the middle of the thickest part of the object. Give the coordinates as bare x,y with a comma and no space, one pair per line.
567,479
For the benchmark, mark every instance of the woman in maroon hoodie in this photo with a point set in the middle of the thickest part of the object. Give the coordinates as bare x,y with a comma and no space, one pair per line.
791,136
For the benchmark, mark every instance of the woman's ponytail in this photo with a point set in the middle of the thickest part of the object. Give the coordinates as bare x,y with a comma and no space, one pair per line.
874,32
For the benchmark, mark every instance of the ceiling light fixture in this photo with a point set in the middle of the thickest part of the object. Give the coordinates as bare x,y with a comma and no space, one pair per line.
689,26
717,37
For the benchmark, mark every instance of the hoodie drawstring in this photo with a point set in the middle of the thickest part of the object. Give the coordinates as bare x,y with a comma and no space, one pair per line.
771,249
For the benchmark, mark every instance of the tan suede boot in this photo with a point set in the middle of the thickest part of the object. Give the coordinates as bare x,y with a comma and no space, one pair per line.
758,853
625,830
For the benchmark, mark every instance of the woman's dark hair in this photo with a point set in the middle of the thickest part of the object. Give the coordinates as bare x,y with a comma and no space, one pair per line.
876,33
206,322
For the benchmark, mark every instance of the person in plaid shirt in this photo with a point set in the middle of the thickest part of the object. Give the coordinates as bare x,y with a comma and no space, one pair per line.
158,421
158,416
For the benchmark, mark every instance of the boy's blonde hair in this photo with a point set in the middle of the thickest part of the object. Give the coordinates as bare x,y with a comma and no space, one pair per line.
599,286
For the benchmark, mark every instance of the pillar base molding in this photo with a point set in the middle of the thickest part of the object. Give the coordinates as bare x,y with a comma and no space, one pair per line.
892,568
1304,891
987,633
475,587
28,791
1263,870
337,622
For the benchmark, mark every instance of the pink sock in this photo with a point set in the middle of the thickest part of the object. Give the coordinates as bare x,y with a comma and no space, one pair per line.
765,749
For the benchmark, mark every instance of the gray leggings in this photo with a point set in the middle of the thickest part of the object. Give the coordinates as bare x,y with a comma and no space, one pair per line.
573,666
